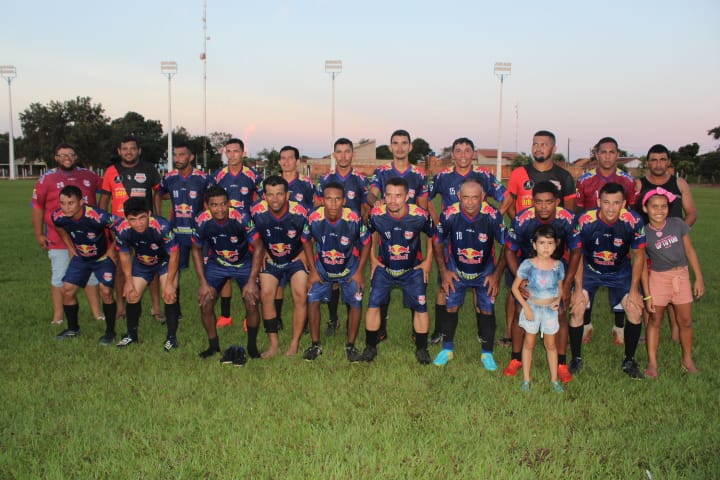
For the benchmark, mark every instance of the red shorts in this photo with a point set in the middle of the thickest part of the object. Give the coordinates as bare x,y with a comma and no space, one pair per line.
671,286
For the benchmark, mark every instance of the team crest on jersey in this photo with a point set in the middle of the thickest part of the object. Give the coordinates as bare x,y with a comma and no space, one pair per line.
422,300
154,246
86,183
298,197
359,295
351,194
244,190
528,185
292,233
483,237
344,241
140,177
617,242
107,276
90,235
411,192
233,239
408,235
193,194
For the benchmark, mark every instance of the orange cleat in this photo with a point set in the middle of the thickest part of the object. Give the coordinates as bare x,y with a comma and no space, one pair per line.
224,322
513,367
564,374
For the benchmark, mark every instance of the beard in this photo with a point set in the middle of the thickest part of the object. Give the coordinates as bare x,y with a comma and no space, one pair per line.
67,169
539,159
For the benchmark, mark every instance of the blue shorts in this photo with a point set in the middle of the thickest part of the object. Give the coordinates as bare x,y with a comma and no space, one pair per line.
284,272
546,320
412,283
483,301
351,292
217,275
59,261
618,285
147,272
79,271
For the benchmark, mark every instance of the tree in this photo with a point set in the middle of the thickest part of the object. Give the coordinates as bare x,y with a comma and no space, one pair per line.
686,159
420,150
715,133
148,133
383,153
520,160
78,122
270,160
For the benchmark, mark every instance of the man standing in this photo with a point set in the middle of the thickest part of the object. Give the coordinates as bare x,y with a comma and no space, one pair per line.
342,249
400,263
603,239
45,200
464,251
281,224
229,234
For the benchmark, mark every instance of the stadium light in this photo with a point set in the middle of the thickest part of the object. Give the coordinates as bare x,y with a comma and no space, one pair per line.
169,69
334,68
502,70
9,73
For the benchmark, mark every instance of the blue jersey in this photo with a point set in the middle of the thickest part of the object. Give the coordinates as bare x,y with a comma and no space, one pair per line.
88,232
302,191
187,195
338,243
228,241
606,248
470,241
243,189
153,246
525,223
355,184
447,184
282,236
400,247
415,176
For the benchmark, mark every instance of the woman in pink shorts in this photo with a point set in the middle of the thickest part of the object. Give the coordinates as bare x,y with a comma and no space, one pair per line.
670,252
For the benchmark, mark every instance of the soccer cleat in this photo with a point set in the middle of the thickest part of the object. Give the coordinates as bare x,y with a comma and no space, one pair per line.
576,364
525,386
422,356
488,361
67,333
312,353
126,340
331,328
382,335
107,339
229,355
618,335
631,368
443,357
353,354
170,343
557,386
513,367
240,359
587,333
223,322
369,354
564,374
208,353
437,338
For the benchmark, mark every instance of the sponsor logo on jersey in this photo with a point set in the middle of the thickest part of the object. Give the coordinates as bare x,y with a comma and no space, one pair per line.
333,257
140,177
398,252
183,210
628,217
604,258
86,250
231,256
280,249
147,259
93,214
470,255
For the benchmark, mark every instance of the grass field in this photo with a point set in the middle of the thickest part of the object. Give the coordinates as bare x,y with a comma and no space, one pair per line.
74,409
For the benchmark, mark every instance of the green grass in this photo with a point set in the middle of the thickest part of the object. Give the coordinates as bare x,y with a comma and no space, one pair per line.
74,409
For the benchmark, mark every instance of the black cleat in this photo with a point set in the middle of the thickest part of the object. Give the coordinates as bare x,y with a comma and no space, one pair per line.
170,343
437,338
353,354
576,364
423,356
631,368
369,354
240,358
126,340
67,333
209,352
331,328
312,353
107,339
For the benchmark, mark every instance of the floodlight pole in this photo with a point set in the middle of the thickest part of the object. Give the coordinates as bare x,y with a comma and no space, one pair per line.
502,70
9,73
334,68
169,69
203,57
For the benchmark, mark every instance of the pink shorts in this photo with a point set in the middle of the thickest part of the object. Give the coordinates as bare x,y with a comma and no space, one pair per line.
672,286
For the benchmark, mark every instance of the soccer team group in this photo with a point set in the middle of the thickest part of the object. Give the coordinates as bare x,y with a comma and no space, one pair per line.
564,242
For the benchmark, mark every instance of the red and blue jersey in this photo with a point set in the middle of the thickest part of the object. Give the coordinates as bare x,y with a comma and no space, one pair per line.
228,241
400,246
355,184
243,189
590,183
302,191
88,233
415,176
337,243
447,184
283,235
470,241
153,246
187,195
606,247
522,229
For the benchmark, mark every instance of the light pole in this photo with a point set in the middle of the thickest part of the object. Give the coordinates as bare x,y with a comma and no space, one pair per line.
334,68
502,70
8,72
169,69
203,57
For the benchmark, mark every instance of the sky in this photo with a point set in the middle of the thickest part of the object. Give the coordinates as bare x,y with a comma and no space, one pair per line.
643,71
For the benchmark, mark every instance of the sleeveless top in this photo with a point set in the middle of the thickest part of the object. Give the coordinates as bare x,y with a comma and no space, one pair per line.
671,185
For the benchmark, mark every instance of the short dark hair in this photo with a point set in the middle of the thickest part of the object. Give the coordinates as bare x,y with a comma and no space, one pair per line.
343,141
398,182
335,185
129,139
611,188
401,133
65,145
545,133
290,148
216,191
135,206
274,181
546,187
606,140
185,145
237,141
460,141
71,191
658,148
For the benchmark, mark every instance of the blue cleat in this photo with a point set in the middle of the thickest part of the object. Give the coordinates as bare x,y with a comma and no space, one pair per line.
443,357
488,361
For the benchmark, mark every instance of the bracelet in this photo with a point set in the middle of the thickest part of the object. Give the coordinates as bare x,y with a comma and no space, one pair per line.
649,297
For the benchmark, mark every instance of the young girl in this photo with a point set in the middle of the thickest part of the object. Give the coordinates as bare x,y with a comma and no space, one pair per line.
544,274
670,252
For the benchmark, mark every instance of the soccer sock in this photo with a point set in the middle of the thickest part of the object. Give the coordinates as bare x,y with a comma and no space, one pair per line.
383,316
516,356
632,337
440,312
225,306
177,293
619,319
562,359
133,311
171,318
421,341
371,338
71,313
271,325
349,345
278,307
214,344
576,334
252,341
451,323
110,310
412,321
333,305
486,330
